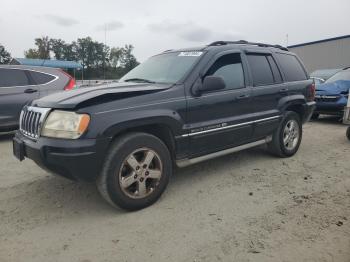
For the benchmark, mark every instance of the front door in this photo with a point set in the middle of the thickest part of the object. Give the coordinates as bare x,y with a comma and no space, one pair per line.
217,119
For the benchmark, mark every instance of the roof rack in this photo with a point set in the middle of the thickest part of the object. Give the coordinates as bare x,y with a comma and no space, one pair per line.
244,42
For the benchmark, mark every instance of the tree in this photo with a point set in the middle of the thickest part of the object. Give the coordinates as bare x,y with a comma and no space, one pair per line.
115,56
43,50
69,52
128,60
97,59
58,47
5,56
32,53
44,47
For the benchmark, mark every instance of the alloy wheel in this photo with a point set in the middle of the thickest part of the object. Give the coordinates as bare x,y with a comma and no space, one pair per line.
140,173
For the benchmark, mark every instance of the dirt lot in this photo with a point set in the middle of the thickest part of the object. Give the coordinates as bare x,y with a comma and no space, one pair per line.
247,206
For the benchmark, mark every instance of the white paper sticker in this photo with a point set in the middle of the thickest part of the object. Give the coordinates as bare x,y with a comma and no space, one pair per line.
191,53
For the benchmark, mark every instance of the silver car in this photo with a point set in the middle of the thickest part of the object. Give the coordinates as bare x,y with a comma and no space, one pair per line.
19,85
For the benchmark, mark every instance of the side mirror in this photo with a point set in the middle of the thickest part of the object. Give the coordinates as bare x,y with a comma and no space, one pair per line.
211,83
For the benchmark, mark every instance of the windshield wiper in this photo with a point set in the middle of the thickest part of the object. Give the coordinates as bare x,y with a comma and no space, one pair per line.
139,80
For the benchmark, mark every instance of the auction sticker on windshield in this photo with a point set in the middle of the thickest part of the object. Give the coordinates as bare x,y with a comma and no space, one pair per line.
192,53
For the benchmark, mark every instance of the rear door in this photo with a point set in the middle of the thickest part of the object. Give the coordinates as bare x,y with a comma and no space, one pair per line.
47,82
267,90
16,90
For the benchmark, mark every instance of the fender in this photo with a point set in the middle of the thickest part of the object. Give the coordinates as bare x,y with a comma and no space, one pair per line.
127,120
285,102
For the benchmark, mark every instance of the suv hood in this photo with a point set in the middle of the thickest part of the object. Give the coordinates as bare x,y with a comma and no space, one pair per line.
72,99
334,88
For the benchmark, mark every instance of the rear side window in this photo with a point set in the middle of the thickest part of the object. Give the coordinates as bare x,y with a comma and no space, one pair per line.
261,70
276,72
13,78
229,68
41,78
291,67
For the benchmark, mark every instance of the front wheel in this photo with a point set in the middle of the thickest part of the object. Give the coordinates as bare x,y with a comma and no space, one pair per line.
348,133
287,138
136,171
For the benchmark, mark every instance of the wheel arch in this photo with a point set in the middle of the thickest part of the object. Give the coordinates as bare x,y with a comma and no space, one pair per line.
160,129
295,103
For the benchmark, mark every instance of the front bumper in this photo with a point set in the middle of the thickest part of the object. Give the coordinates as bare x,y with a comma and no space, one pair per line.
80,159
309,108
331,107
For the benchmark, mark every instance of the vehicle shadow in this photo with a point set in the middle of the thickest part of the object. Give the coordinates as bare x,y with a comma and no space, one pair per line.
219,165
329,120
52,195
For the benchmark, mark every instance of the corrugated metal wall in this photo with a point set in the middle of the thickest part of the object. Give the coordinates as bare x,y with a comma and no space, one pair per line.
325,55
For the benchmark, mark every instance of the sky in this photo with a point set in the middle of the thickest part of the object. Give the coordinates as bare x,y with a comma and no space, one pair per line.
153,26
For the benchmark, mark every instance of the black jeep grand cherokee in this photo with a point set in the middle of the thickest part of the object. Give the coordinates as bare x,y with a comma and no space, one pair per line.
178,108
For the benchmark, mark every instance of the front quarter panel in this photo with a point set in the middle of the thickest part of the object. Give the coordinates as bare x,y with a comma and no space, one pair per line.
167,107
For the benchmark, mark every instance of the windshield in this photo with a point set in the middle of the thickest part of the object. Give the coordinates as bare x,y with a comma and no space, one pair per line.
342,75
325,73
163,68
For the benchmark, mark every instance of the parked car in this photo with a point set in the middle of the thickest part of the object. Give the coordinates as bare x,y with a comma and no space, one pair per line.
178,108
321,75
332,96
19,85
346,118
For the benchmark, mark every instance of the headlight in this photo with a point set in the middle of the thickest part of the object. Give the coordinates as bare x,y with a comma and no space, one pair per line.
64,124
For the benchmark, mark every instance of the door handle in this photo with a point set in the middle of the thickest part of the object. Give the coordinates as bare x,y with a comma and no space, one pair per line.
242,96
30,90
283,90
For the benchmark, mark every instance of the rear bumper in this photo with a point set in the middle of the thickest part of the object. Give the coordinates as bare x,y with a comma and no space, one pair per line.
309,108
80,159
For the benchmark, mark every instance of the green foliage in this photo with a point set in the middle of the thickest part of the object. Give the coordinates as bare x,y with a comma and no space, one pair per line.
97,59
32,53
44,47
5,56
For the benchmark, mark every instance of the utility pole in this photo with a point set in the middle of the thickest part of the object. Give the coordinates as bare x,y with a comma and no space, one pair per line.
287,40
104,54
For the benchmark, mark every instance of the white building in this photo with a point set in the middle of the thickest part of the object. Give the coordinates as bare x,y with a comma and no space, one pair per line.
324,54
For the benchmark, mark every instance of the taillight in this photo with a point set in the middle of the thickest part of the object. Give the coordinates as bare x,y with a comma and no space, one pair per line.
311,92
71,83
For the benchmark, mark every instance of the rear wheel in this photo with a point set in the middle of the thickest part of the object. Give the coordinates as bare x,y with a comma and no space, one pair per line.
287,138
136,171
348,133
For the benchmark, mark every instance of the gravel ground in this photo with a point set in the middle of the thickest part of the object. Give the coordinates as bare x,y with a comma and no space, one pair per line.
247,206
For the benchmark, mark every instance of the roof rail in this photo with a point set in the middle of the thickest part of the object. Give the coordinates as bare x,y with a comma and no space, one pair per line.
244,42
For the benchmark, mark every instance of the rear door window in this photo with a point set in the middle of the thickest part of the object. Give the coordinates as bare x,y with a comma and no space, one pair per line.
260,69
292,69
13,77
41,78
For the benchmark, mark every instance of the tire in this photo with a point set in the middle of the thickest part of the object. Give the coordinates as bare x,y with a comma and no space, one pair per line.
278,146
125,183
348,133
315,116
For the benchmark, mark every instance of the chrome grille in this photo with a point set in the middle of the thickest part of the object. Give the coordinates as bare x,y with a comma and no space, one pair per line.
325,98
31,120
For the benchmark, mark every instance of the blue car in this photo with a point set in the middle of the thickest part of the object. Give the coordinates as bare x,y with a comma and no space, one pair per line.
332,96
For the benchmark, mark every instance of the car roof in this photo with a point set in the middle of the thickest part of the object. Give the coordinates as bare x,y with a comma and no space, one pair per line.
32,68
